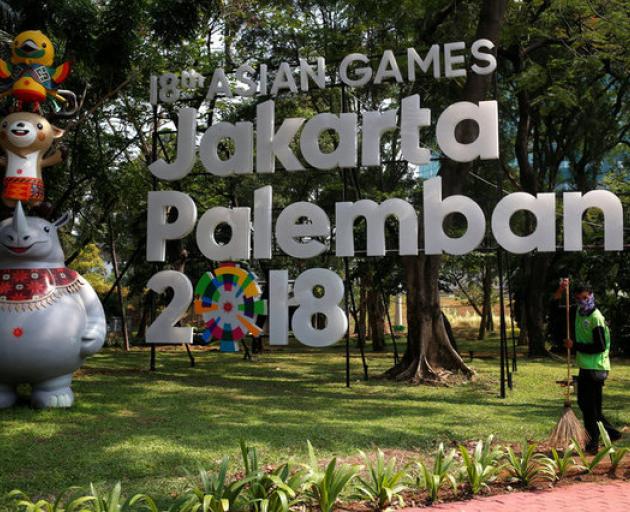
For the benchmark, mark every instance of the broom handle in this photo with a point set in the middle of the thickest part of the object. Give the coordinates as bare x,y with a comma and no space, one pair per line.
568,317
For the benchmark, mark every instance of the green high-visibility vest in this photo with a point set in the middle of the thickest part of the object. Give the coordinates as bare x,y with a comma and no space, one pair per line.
584,326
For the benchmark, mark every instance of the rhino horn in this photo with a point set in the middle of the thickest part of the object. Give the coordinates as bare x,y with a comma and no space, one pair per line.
20,224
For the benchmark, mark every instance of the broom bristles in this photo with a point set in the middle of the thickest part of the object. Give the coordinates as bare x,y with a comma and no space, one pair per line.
568,429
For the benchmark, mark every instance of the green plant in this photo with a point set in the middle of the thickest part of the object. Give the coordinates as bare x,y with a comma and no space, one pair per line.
590,465
384,482
211,491
250,458
207,503
433,478
273,491
560,465
616,454
93,502
73,503
113,501
482,467
325,487
529,466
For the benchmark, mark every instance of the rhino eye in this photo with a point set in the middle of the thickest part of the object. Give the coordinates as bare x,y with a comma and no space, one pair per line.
47,229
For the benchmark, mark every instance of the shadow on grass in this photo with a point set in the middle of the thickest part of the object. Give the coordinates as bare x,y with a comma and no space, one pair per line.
144,427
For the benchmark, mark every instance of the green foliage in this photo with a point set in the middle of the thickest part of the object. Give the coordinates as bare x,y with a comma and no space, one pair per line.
67,501
482,466
270,491
213,490
281,489
616,454
433,478
529,466
157,446
206,503
561,464
590,465
112,501
90,264
326,487
384,482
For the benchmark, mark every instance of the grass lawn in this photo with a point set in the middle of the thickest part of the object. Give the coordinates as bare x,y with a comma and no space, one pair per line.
144,428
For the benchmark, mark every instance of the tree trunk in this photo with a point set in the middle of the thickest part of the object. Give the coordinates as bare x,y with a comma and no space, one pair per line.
487,320
362,313
121,301
376,318
522,324
430,356
144,318
535,271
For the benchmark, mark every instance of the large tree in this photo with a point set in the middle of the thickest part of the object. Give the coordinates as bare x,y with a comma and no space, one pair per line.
430,355
565,82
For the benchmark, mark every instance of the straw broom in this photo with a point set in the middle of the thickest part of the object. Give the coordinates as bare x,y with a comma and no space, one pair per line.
569,428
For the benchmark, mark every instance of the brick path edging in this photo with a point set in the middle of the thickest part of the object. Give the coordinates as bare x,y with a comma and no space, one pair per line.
586,497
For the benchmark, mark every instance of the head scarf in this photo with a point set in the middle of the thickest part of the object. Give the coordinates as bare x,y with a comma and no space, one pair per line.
586,306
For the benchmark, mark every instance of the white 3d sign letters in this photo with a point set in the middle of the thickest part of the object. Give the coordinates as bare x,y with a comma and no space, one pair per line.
437,209
163,330
238,246
543,206
309,305
183,164
159,230
575,204
304,230
269,144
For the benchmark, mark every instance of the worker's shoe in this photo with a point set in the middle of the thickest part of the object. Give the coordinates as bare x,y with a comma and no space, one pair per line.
614,434
592,447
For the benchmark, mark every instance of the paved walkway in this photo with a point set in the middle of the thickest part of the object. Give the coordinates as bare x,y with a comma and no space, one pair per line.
586,497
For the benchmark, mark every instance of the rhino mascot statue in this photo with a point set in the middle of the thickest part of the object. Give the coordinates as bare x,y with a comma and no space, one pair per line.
50,318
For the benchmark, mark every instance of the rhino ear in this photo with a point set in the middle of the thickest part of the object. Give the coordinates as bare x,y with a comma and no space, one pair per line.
63,220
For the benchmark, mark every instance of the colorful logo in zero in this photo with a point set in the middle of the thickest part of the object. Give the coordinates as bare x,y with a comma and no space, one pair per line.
231,303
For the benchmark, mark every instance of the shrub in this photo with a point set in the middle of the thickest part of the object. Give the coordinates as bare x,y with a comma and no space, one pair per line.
211,491
561,465
384,482
590,465
529,466
482,467
72,501
433,478
274,491
616,454
326,487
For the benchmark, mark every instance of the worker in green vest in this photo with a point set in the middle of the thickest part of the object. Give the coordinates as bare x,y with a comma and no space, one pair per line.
592,347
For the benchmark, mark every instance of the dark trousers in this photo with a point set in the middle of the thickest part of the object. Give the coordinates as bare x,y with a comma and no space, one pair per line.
590,384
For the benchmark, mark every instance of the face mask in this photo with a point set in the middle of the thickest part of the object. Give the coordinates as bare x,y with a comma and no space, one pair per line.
586,306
